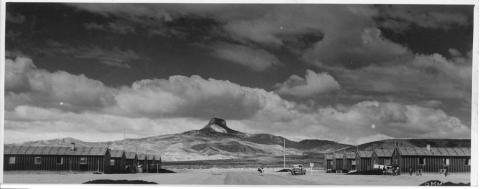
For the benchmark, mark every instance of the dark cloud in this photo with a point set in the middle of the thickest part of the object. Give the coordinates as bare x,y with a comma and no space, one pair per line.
400,17
114,57
15,18
115,27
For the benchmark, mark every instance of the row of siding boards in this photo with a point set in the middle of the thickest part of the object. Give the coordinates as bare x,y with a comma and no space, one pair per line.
93,159
407,159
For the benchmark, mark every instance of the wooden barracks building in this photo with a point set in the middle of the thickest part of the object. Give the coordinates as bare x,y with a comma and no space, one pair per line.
60,158
426,159
55,158
431,159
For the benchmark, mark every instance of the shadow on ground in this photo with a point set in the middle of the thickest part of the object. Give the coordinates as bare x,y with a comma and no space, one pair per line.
109,181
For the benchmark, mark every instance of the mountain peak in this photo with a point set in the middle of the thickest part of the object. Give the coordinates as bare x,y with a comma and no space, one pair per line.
218,125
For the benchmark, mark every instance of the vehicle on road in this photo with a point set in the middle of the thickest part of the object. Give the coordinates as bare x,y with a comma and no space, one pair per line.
298,170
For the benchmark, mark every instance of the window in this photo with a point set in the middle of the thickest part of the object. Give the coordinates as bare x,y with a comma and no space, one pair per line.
386,162
112,162
467,161
421,161
354,162
37,160
11,160
331,163
446,161
59,160
83,160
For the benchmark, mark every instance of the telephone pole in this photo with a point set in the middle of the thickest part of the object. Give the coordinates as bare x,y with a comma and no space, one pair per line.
284,153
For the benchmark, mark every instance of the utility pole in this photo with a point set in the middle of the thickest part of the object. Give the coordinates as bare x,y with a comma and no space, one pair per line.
123,143
284,153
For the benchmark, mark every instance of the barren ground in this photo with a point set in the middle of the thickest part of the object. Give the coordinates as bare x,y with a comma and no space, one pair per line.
237,176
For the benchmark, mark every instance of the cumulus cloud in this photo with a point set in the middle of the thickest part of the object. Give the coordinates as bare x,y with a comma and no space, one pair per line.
24,83
161,106
312,84
353,124
354,50
192,96
422,75
253,58
26,123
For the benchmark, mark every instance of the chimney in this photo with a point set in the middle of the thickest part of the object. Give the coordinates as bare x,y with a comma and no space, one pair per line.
428,147
73,146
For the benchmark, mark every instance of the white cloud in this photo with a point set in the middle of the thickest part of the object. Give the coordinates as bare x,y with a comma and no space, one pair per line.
353,124
41,87
179,103
190,96
26,123
312,84
427,75
253,58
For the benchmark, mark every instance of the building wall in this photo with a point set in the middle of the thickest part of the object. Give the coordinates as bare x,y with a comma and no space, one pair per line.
363,164
144,164
347,164
119,166
131,165
152,166
329,164
49,163
338,164
432,163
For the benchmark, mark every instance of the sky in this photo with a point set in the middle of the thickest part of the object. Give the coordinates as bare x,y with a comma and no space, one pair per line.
347,73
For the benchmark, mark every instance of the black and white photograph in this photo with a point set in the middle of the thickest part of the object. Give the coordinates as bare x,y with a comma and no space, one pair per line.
242,94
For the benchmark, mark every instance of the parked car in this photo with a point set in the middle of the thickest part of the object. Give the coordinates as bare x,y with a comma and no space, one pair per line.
298,170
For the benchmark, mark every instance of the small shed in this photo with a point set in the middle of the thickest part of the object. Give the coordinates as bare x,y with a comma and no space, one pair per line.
430,159
131,162
349,161
363,160
117,162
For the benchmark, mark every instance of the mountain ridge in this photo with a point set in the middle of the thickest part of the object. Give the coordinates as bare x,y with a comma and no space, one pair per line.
217,141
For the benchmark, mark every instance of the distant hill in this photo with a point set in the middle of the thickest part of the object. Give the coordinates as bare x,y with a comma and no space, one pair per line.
391,143
214,141
217,141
